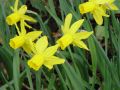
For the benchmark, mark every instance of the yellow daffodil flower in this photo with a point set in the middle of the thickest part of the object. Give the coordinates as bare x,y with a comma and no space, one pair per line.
43,55
94,8
97,8
108,4
24,40
71,36
19,15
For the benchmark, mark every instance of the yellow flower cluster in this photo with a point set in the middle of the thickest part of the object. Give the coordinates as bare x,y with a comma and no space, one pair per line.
37,46
98,9
41,54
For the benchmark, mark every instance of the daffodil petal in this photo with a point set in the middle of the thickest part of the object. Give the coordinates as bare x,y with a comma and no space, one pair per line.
87,7
28,46
82,35
28,18
16,5
12,8
50,51
22,25
67,23
53,60
98,14
80,44
111,1
41,44
75,26
113,7
33,35
102,11
90,0
27,25
22,10
98,18
18,30
101,1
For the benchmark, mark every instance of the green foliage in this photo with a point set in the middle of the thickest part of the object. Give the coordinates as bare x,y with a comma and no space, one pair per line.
96,69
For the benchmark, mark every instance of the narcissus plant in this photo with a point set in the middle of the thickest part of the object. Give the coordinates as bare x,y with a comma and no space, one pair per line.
18,15
70,34
24,39
44,55
97,8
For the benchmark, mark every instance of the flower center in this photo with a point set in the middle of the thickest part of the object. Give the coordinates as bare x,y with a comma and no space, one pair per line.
13,18
17,41
36,62
65,41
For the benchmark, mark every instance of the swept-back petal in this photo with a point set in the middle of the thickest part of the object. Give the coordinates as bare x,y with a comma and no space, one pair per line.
110,1
18,30
53,60
98,13
16,5
87,7
80,44
41,44
22,25
98,18
82,35
104,1
33,35
28,18
50,51
22,10
91,0
101,1
75,26
66,26
28,47
113,7
27,25
102,11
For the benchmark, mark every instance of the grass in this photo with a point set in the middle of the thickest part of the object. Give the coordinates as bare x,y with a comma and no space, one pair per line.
96,69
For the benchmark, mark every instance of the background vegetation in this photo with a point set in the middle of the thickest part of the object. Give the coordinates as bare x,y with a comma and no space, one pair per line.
97,69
